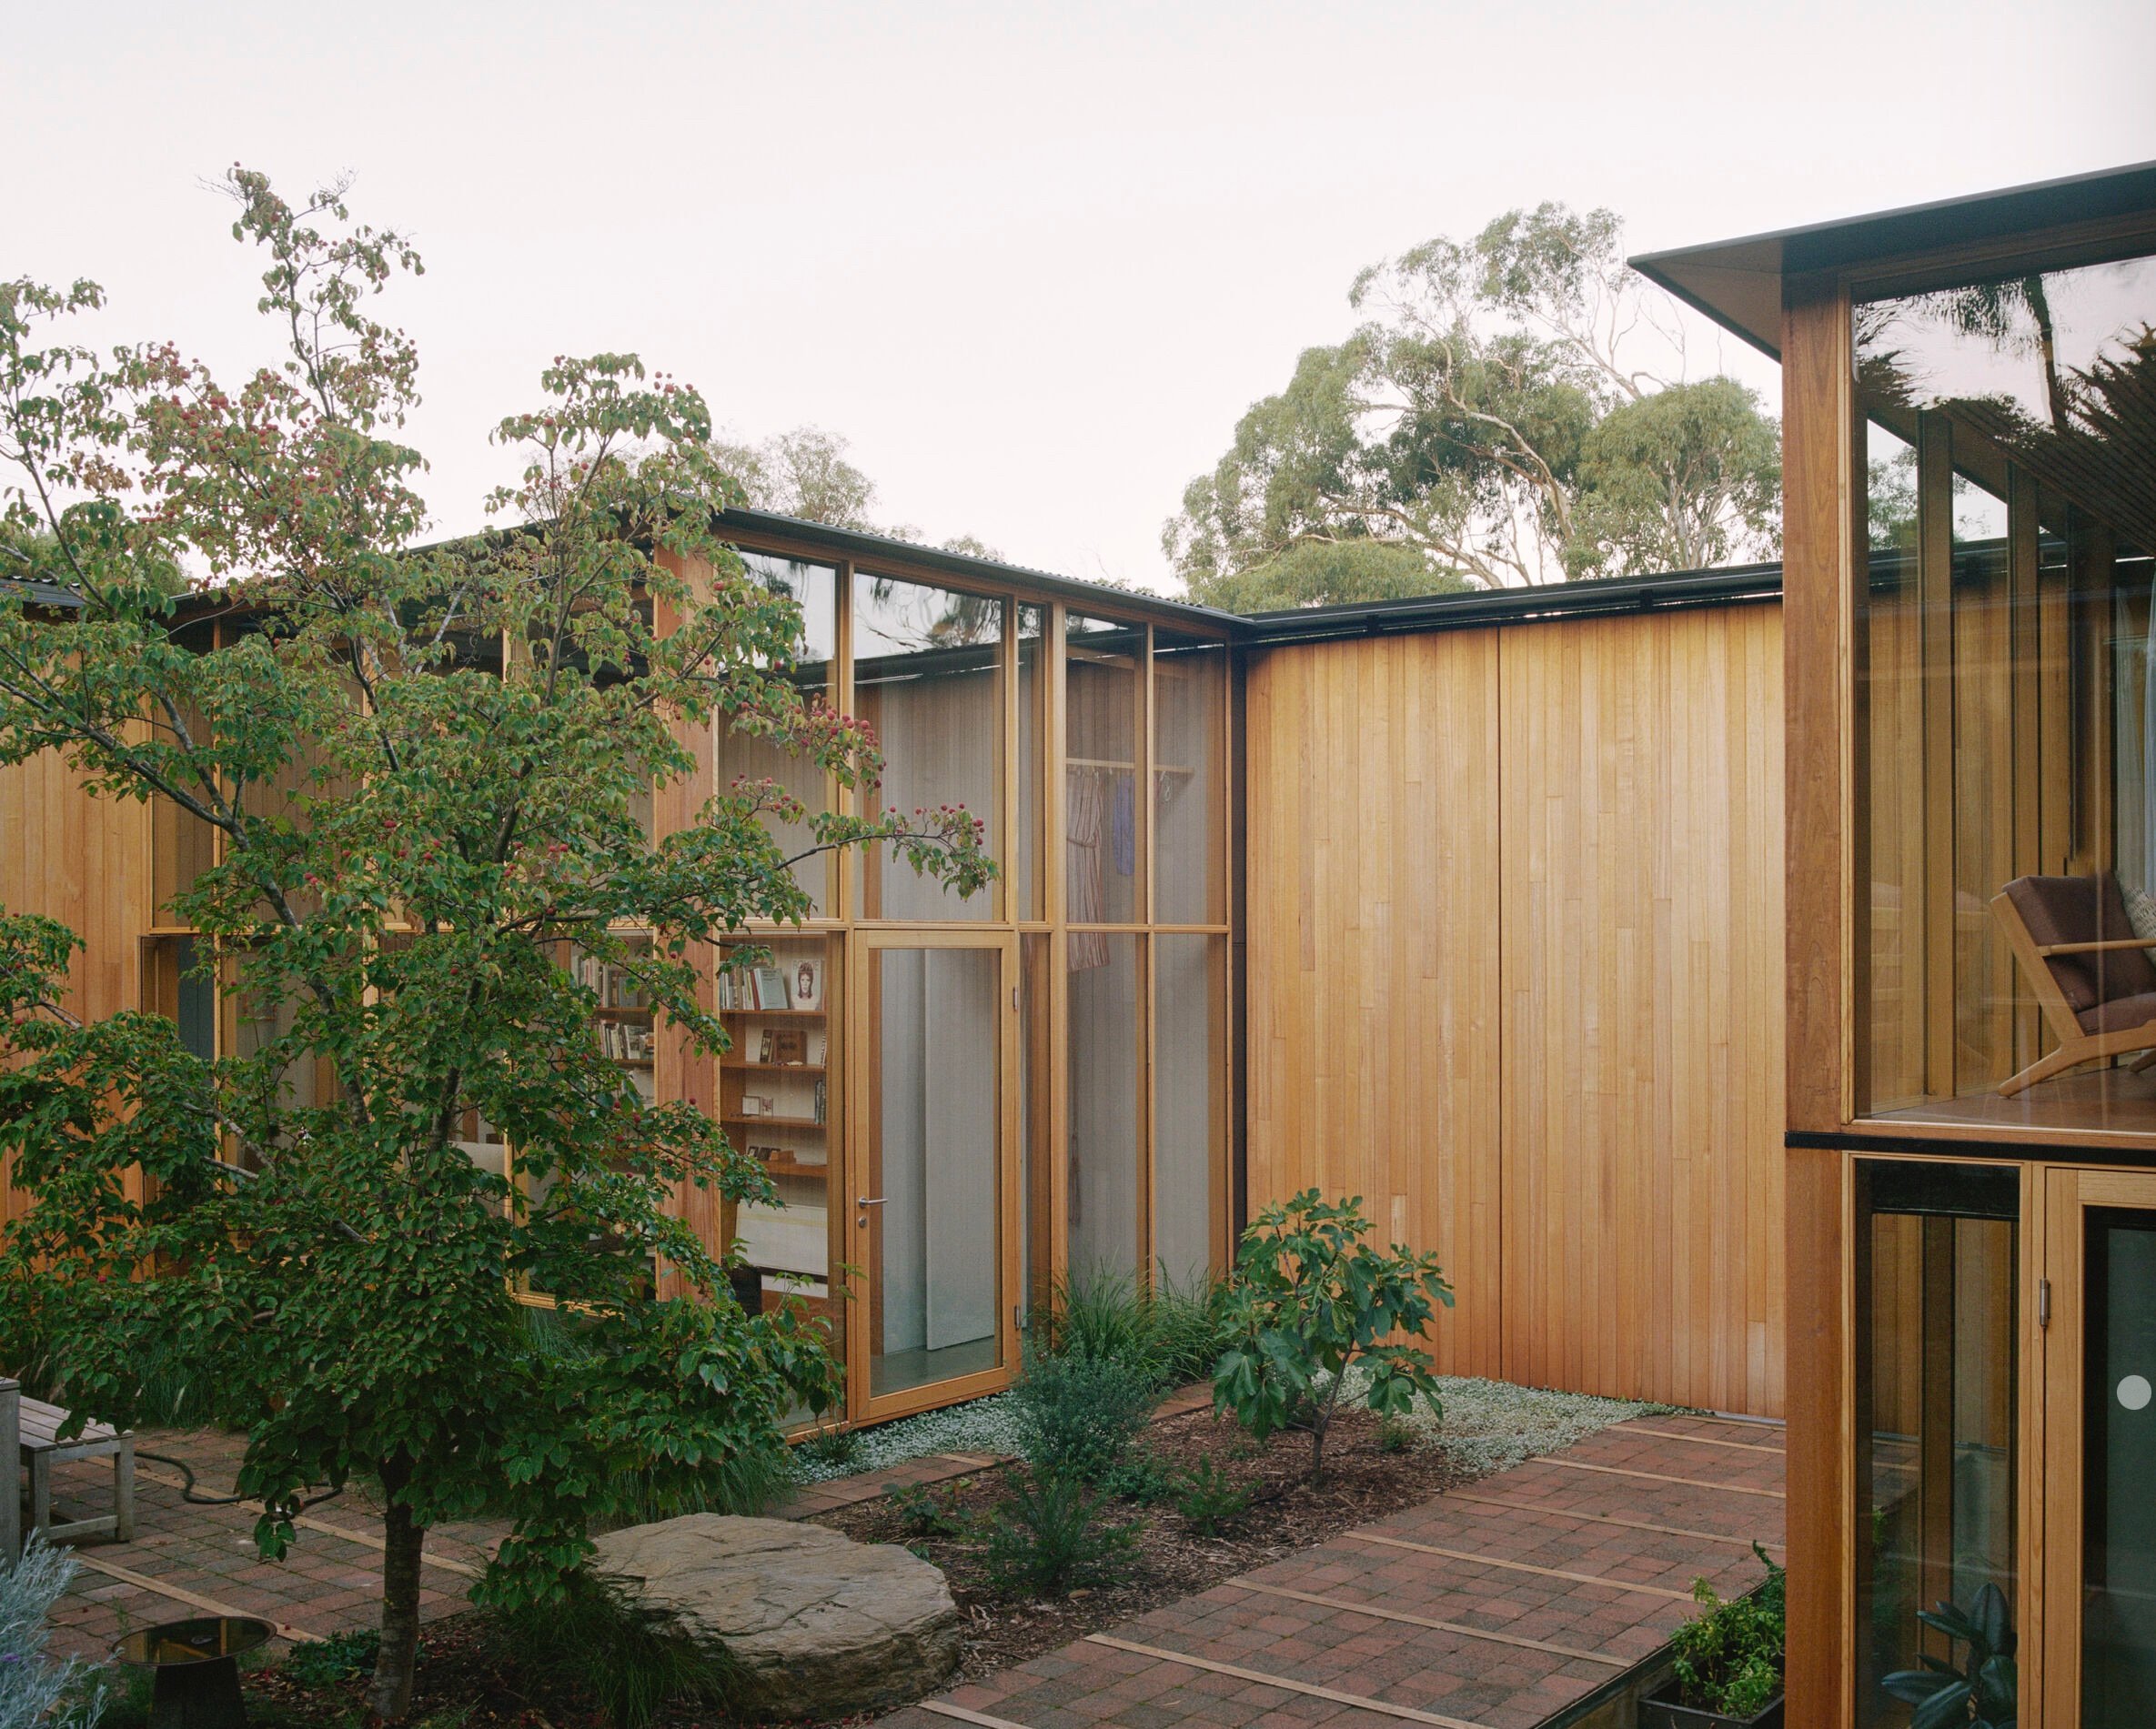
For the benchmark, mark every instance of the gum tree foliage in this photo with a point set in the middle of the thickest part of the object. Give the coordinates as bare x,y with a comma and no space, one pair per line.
1484,426
414,830
1307,1299
806,473
803,473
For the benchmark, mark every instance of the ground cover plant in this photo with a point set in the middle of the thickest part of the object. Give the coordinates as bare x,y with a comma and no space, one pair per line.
427,771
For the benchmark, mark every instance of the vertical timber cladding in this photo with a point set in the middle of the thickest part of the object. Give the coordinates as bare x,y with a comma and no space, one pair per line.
86,862
1516,976
1372,952
1642,1033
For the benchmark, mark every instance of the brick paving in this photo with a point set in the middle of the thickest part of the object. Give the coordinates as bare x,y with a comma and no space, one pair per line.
1584,1570
189,1560
1600,1545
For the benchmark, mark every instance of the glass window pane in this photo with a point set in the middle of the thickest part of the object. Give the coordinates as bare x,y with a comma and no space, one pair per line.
1105,1053
1984,767
1190,698
1937,1363
2012,504
1036,1163
1895,719
1033,732
2119,1523
928,678
815,587
934,1292
1190,1124
182,846
1104,700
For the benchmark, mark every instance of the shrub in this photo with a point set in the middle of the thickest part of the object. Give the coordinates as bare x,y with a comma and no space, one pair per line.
1210,1498
1395,1436
1144,1477
1172,1334
834,1448
1983,1696
1729,1655
342,1657
38,1692
632,1664
924,1514
1077,1415
1308,1298
1047,1536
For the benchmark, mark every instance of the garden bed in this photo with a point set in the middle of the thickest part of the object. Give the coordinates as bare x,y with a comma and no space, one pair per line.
1362,1481
474,1676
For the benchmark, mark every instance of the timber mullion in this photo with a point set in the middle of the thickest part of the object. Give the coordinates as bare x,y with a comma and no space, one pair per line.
1934,580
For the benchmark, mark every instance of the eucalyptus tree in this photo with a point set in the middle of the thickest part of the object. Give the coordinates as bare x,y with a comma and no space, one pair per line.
426,771
1488,423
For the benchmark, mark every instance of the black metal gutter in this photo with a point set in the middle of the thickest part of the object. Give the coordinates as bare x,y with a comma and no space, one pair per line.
1736,585
873,549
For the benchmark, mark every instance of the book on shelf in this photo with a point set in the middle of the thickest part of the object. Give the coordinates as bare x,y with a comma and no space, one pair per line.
614,986
747,989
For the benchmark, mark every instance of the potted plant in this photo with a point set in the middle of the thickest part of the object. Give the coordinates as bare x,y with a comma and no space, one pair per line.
1983,1696
1729,1668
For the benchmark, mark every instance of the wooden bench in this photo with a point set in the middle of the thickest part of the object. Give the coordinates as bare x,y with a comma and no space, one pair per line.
11,1491
41,1449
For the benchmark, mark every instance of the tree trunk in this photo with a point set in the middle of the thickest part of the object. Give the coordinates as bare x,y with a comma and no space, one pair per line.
403,1538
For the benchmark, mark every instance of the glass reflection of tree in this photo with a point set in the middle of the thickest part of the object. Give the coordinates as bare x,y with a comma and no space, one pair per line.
2091,434
913,617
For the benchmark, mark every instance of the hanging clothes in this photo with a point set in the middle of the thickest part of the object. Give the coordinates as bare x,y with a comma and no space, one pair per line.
1125,826
1085,818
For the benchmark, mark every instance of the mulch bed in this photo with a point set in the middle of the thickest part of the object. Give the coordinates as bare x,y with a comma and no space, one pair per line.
1361,1482
471,1676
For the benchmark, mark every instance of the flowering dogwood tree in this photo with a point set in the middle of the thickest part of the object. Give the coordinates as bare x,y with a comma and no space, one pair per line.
425,771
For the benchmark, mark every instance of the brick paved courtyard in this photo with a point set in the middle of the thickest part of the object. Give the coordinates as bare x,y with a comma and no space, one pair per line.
1499,1605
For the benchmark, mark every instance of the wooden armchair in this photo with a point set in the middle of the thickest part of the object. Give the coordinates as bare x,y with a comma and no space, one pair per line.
2089,973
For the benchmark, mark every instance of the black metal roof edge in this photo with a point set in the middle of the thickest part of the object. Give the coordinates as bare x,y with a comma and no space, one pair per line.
2126,190
2100,194
1646,264
1731,585
862,547
41,594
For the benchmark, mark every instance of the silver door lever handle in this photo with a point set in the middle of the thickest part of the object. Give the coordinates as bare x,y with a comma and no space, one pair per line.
870,1201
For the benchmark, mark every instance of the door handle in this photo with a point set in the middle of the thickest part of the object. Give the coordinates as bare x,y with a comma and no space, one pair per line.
869,1200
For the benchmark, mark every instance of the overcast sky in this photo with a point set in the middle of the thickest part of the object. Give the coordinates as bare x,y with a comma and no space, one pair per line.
1032,261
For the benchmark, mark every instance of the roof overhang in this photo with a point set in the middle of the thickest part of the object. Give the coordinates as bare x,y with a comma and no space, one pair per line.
1739,283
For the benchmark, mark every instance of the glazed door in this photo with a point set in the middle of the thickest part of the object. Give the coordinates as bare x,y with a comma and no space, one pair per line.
931,1172
2100,1450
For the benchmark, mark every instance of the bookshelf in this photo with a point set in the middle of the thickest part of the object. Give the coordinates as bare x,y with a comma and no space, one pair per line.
777,1082
623,1019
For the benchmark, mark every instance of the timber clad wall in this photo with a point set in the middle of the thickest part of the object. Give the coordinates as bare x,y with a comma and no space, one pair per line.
1514,944
85,862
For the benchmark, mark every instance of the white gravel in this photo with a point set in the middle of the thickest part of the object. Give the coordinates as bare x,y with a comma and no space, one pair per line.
1487,1425
1493,1425
980,1425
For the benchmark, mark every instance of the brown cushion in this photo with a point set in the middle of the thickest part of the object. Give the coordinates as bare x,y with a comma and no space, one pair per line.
2083,910
2119,1014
